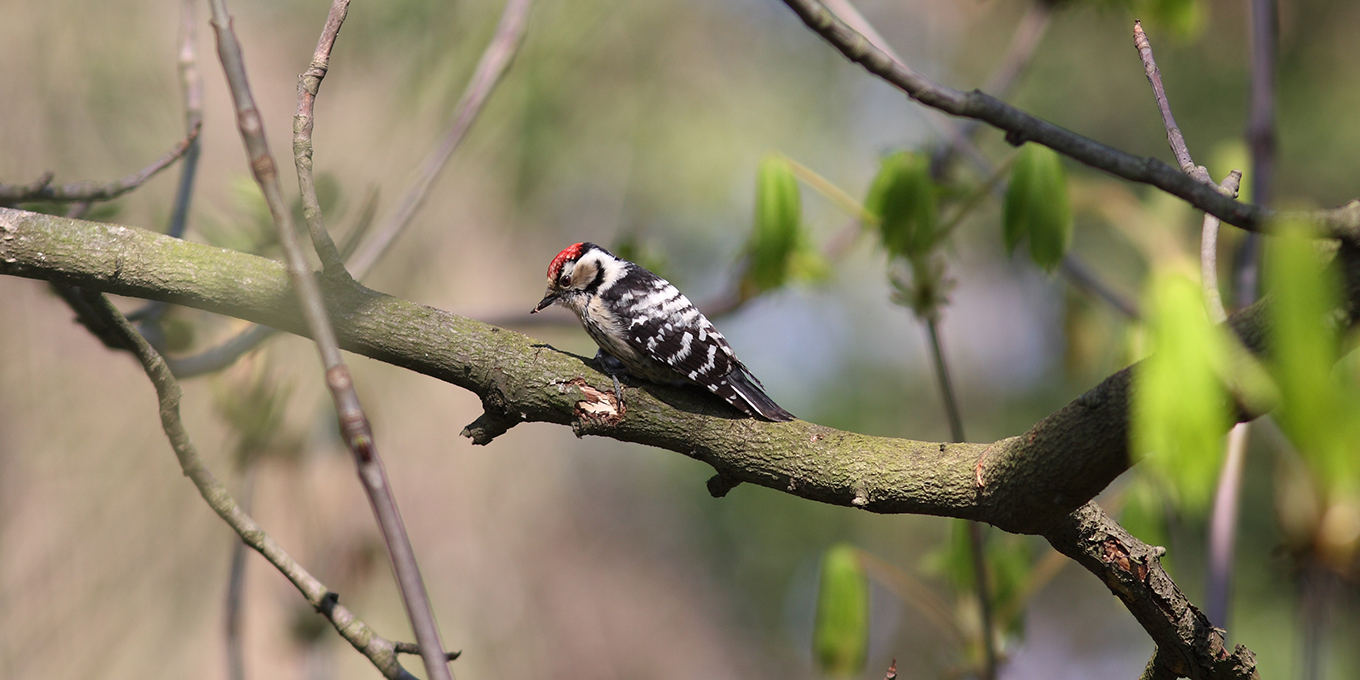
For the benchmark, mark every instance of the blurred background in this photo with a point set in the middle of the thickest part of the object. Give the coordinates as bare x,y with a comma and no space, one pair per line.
639,126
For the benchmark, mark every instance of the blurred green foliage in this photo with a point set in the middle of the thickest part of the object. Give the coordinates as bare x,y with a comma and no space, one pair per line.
1037,206
903,200
778,224
1320,408
840,637
1180,409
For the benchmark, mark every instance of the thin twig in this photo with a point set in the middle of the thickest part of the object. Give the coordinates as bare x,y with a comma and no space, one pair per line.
1173,131
413,648
191,85
223,355
1208,254
354,425
976,538
43,190
309,83
1223,527
1020,127
497,57
1222,538
910,590
378,650
1265,32
1028,34
236,586
958,138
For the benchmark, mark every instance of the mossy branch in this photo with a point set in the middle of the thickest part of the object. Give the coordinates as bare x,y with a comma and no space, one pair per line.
1037,483
1020,484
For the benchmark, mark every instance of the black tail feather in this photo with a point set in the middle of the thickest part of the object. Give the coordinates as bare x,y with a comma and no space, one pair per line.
745,392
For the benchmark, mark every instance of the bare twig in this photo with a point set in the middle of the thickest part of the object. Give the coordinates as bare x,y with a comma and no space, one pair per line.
1261,140
1173,131
494,61
1208,254
1078,272
958,138
1026,39
355,429
309,83
976,538
43,190
1265,29
1020,127
413,648
219,357
236,586
192,84
378,650
1223,527
911,591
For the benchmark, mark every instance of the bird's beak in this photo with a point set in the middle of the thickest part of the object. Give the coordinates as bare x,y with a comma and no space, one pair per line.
546,302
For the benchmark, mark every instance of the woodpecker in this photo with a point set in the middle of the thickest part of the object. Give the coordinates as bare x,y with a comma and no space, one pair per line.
648,328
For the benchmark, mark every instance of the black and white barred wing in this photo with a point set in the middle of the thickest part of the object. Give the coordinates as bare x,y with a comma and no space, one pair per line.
664,326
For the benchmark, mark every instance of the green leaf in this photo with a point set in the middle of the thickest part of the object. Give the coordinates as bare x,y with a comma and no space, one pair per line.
779,218
903,200
840,637
1316,409
1037,206
1180,409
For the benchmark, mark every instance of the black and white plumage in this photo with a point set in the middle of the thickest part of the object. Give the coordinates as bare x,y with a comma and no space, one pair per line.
648,326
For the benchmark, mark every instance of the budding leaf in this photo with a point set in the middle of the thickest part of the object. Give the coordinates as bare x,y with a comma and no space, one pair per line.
1180,405
840,637
779,217
903,199
1037,206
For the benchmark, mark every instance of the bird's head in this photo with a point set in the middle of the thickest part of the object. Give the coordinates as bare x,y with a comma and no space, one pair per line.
576,273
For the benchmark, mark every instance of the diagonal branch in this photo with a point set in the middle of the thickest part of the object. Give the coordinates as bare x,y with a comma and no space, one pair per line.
1187,645
42,189
495,60
1173,131
381,652
1021,127
309,83
354,425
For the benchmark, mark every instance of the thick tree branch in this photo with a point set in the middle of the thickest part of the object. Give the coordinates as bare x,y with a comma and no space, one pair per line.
1021,484
1021,127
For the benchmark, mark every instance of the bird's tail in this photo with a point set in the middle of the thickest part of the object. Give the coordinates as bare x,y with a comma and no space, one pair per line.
744,391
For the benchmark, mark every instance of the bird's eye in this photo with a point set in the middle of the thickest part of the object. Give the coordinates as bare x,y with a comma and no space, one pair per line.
563,280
